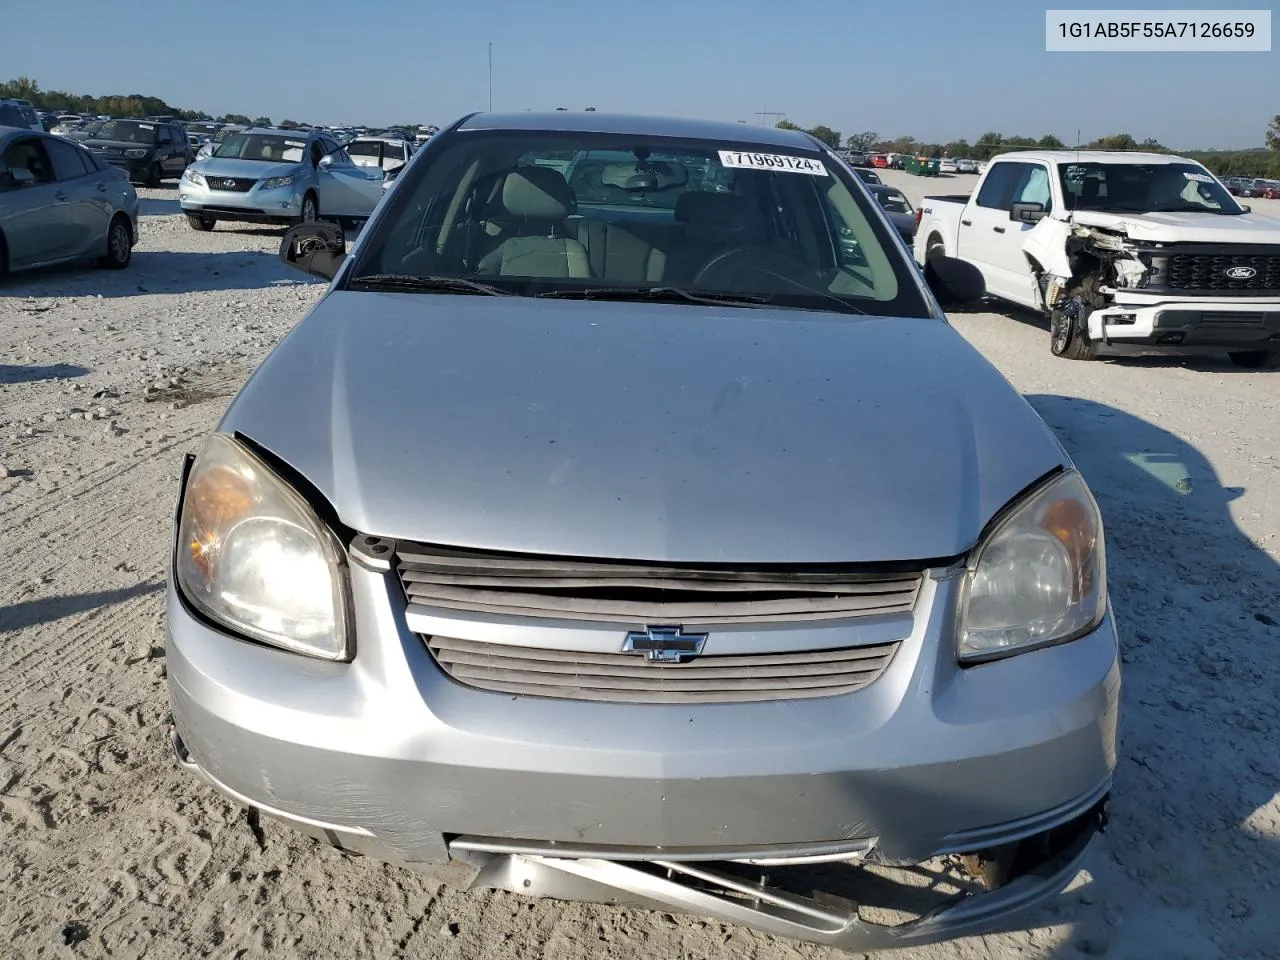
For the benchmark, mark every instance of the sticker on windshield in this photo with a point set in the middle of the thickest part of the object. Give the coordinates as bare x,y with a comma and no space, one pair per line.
146,126
772,161
1198,177
294,143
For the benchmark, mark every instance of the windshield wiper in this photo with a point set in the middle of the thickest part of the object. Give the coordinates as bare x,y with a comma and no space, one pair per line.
659,294
401,281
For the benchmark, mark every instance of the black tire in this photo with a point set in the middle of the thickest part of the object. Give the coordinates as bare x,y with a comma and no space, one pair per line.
1068,329
1255,359
155,175
201,223
310,209
119,245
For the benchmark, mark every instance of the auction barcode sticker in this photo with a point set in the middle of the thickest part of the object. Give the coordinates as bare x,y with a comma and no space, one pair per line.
772,161
1167,31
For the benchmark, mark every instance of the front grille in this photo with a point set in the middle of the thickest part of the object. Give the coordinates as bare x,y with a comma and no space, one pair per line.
1209,270
628,678
635,594
233,184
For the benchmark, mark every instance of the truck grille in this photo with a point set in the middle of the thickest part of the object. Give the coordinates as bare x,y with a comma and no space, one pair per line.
639,594
628,678
233,184
1209,270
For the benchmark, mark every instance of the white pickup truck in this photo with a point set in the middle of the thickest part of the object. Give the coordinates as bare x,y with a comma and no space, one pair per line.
1132,248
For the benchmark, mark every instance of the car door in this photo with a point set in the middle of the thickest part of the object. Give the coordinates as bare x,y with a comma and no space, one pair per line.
36,223
988,238
84,187
346,189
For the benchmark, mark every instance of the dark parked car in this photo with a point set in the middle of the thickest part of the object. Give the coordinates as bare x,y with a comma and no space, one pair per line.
868,175
897,208
1240,187
148,152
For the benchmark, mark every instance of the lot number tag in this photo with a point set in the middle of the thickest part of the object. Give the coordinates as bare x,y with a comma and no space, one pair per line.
772,161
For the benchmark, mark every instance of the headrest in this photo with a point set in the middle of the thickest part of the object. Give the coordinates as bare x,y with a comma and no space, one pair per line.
537,193
1089,187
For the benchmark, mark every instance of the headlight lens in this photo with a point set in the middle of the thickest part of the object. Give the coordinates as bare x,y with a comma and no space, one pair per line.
193,176
135,153
254,557
274,182
1039,578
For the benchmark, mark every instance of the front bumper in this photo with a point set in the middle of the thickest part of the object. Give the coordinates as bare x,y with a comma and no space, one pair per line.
138,170
1232,324
278,205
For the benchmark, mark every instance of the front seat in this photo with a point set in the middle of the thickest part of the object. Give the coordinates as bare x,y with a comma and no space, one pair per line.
537,200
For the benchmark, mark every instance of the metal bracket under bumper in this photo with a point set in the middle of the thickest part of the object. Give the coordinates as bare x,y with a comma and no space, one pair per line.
683,887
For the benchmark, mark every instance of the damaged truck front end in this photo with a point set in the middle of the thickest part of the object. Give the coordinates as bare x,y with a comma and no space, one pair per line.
1104,283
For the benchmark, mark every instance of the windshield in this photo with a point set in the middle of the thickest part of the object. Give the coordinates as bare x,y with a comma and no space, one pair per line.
268,147
128,131
203,129
893,201
588,214
1144,188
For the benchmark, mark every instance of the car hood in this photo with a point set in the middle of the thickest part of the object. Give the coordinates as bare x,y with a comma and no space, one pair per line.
246,169
1185,227
654,432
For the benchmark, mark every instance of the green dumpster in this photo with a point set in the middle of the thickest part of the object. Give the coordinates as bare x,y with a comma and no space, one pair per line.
922,166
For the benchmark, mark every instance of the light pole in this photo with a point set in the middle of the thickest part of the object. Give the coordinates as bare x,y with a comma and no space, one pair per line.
491,76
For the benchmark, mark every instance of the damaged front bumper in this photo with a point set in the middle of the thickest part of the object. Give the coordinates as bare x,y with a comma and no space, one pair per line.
760,888
1130,317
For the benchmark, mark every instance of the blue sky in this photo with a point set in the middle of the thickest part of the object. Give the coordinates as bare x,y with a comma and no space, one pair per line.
931,68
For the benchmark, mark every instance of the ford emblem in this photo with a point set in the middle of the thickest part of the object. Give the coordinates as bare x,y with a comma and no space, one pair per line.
1240,273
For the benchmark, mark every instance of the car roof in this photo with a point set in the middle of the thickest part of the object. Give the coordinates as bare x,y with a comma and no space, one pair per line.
277,132
1091,156
640,126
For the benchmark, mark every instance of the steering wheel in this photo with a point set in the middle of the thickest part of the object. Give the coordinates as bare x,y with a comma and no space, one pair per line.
736,260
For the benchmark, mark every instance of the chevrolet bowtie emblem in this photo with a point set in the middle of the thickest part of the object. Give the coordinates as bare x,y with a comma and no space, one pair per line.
664,644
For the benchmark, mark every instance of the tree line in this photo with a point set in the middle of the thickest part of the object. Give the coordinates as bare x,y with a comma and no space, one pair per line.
1258,162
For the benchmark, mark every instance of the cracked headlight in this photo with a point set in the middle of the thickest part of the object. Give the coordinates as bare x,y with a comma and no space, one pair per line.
194,176
1039,577
273,182
253,556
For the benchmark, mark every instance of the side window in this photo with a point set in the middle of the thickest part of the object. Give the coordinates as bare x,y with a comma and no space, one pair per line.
1033,187
317,151
29,154
67,161
998,185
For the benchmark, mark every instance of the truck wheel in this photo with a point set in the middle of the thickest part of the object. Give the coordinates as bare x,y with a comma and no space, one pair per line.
1255,359
1068,329
155,176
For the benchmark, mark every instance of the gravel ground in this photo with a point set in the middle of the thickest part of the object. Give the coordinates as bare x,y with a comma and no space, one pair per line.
106,379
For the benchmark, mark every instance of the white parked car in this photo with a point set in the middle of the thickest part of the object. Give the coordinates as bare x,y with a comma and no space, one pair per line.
388,153
965,165
948,165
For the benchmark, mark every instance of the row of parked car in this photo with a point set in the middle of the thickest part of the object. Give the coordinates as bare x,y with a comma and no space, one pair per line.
65,198
1253,187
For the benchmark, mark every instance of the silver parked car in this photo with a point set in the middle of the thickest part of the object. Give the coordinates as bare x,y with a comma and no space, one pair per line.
58,202
277,176
622,539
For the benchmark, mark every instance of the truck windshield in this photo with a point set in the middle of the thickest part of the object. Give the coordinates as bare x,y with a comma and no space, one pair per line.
599,215
1144,188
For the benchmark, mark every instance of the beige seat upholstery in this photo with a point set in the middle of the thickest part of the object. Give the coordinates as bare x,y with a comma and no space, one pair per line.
537,200
621,255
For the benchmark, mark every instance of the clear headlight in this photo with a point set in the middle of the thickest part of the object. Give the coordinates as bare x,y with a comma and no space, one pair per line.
194,176
135,153
1039,578
274,182
252,555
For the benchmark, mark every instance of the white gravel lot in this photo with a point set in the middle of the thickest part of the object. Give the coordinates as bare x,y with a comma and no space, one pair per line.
108,850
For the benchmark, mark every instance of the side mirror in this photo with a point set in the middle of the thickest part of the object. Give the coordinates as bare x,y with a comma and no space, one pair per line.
316,248
954,281
1027,212
21,177
1246,208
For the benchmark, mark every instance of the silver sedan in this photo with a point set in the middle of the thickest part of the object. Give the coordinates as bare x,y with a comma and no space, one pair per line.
603,534
58,202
